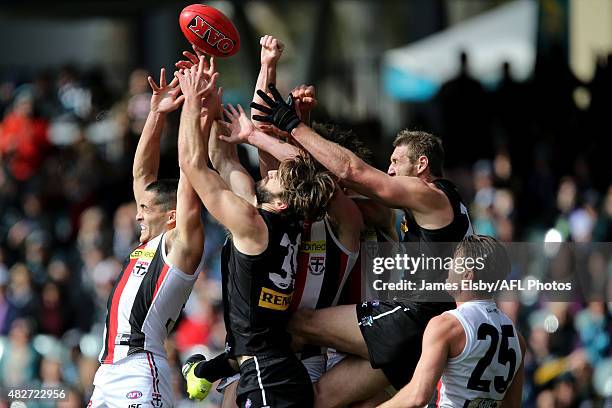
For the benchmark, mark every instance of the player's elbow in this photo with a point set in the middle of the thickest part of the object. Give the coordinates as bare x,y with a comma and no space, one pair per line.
420,399
191,163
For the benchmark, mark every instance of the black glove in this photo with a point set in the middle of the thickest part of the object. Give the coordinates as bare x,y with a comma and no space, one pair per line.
279,113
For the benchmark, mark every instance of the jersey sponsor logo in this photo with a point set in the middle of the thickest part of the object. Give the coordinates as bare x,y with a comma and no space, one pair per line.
317,265
313,246
271,299
369,234
483,403
135,406
133,394
143,253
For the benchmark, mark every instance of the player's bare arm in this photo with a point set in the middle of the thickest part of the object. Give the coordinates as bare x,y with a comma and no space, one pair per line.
241,129
514,395
238,215
346,220
343,213
271,51
428,203
165,99
185,242
443,338
224,158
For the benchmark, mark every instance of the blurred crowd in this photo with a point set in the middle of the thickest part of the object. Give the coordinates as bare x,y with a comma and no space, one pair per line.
67,220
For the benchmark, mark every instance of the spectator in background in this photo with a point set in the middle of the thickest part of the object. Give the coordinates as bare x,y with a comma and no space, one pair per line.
21,293
19,361
75,99
465,116
23,139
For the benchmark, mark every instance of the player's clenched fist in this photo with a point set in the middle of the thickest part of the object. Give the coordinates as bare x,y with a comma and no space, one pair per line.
271,50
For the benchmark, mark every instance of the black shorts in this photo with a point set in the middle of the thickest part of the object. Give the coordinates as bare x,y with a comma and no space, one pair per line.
275,382
393,332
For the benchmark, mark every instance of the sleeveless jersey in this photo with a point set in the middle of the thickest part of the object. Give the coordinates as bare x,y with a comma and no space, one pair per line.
257,290
481,374
352,293
145,302
439,243
324,265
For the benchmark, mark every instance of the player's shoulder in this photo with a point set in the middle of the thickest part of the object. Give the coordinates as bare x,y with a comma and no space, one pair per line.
445,326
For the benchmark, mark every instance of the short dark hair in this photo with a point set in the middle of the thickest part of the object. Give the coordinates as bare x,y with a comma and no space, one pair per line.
346,138
422,144
165,193
494,258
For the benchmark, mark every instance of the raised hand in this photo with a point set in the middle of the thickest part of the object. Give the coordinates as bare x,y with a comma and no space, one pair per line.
212,104
195,82
165,97
271,50
305,100
192,58
278,112
239,128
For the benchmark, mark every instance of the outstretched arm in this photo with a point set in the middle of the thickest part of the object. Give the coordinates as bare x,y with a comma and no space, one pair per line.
249,232
436,347
395,192
241,130
187,238
271,51
224,158
165,99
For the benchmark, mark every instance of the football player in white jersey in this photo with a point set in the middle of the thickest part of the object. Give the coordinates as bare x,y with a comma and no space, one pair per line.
157,277
473,355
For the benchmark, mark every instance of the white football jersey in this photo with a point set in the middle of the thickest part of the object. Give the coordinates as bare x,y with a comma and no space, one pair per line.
482,373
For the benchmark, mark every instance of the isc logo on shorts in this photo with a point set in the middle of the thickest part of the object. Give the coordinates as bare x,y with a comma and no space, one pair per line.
271,299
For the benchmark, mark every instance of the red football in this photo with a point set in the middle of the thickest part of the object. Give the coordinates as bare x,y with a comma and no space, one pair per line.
209,29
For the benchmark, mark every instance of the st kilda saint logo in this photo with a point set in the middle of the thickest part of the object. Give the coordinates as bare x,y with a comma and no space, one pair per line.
140,269
317,265
211,35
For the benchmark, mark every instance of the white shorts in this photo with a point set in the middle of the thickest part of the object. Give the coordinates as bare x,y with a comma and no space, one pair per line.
140,380
316,366
333,358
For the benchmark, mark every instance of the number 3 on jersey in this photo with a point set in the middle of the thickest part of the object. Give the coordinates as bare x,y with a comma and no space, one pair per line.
287,278
505,355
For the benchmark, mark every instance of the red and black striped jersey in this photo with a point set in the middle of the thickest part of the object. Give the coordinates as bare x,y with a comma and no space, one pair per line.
324,266
145,302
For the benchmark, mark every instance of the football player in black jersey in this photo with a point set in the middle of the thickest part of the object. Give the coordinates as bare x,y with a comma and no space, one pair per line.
385,337
259,259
